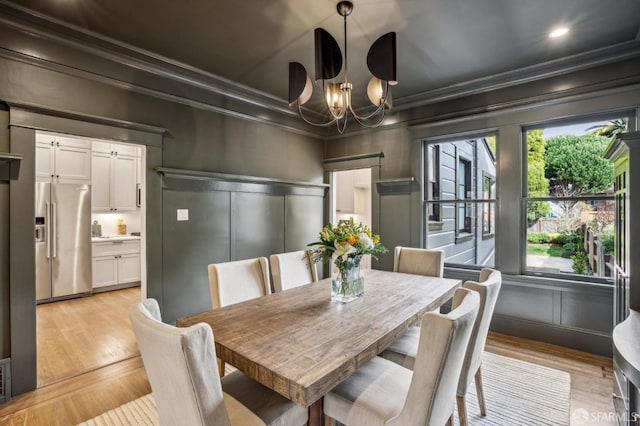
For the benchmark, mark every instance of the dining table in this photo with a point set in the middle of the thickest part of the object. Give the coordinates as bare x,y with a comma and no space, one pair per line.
302,344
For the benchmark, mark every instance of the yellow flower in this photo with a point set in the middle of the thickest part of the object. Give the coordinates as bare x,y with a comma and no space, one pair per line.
376,239
324,230
366,231
351,239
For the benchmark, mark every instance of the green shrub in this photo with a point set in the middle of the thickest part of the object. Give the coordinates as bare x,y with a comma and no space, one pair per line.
558,238
573,244
579,263
608,242
538,237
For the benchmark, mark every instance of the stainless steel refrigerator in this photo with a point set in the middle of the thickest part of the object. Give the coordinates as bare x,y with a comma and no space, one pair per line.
63,240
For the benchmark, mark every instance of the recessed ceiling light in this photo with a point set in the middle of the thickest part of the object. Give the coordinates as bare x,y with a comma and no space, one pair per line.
558,32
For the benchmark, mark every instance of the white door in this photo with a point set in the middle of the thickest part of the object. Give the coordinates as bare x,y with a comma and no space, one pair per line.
73,160
123,180
128,268
101,181
44,162
105,271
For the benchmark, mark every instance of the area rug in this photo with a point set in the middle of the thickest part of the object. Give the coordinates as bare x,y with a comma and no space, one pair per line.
516,393
139,412
519,393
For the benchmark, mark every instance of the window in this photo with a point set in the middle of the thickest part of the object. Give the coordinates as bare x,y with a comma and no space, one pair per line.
488,193
433,179
569,198
464,193
456,197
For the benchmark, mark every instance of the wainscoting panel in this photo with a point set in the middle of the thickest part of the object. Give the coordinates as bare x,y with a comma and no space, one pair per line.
592,311
302,221
189,246
230,218
257,225
538,303
395,226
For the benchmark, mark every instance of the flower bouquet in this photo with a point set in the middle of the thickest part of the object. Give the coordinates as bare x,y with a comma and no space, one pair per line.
345,244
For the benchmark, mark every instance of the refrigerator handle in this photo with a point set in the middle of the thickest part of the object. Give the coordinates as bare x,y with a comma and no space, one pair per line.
54,230
47,234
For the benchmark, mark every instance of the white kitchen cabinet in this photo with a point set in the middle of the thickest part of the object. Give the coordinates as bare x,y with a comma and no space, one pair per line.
114,178
107,147
62,159
115,262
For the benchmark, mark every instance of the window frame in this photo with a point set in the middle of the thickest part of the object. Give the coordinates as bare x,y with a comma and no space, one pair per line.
490,206
464,232
434,218
577,278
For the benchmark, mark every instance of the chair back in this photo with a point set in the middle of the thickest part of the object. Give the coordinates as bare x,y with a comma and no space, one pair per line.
419,261
292,269
234,282
443,343
488,288
181,366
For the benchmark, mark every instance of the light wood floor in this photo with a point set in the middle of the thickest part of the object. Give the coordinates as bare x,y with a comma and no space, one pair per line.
80,335
70,401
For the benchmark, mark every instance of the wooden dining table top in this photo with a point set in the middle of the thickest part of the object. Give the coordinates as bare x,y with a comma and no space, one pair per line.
301,344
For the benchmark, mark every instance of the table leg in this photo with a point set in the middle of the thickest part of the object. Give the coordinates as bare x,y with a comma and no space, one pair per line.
316,414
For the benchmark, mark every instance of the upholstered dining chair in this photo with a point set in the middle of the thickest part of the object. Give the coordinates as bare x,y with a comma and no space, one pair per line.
404,350
418,261
292,269
382,392
237,281
181,366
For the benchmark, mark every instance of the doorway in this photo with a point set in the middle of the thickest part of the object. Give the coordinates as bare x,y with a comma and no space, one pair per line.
89,327
352,198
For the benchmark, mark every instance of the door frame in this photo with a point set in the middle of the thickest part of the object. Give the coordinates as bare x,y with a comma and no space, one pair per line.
24,120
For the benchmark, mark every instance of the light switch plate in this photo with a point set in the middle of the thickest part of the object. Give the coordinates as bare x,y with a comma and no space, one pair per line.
183,214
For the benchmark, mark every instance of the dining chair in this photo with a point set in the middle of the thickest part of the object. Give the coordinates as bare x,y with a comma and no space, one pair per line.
418,261
181,367
382,392
237,281
292,269
404,350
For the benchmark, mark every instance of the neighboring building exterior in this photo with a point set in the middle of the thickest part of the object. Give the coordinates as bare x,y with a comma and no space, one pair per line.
459,174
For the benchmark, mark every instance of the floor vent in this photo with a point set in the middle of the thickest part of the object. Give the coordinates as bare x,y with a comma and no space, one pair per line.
5,380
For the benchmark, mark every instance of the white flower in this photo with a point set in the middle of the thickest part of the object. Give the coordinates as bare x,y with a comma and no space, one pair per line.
366,241
343,250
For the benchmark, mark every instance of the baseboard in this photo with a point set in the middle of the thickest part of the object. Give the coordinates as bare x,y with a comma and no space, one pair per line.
584,340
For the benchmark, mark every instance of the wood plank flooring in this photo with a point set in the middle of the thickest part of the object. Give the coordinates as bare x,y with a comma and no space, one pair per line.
83,396
80,335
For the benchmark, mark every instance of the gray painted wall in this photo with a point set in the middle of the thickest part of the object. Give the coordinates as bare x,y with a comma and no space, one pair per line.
557,311
195,140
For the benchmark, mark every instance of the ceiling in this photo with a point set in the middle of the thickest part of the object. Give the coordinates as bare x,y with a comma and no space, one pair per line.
440,43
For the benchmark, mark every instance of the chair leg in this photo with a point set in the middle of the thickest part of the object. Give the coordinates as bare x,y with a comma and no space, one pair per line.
221,366
462,410
450,421
328,421
480,392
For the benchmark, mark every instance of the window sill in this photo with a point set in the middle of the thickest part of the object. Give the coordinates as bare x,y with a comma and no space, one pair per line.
463,237
488,236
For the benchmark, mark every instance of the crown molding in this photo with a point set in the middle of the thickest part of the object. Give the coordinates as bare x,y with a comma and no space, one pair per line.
110,61
604,56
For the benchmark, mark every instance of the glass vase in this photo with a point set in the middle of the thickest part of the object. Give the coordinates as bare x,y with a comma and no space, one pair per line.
348,285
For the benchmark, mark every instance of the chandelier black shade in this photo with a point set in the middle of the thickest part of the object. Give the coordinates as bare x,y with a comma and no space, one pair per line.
381,61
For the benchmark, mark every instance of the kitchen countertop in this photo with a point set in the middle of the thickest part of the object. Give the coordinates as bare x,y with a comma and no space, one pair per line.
107,238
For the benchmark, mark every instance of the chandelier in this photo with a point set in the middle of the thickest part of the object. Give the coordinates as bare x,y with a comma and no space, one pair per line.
381,61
